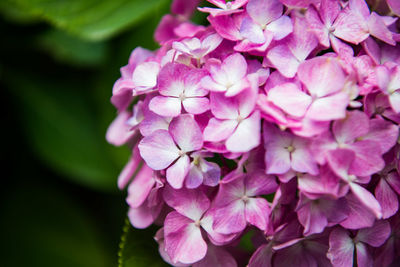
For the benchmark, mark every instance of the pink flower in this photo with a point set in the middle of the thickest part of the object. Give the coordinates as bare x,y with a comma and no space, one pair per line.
224,8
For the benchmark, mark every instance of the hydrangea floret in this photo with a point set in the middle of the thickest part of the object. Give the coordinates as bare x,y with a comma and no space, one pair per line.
269,136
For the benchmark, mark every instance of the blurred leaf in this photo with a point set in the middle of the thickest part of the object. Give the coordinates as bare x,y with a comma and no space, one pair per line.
138,248
62,128
69,49
43,227
91,19
12,12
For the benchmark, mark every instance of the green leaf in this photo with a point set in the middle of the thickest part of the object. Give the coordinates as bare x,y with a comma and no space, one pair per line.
138,248
72,50
92,19
61,126
42,227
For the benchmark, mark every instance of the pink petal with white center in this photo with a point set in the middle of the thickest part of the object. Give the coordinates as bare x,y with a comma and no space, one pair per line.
280,28
231,218
351,27
264,11
341,248
354,125
171,79
219,130
376,235
218,257
140,187
383,132
387,199
378,29
192,83
177,172
364,257
142,217
158,150
316,26
145,75
290,99
186,133
301,158
237,88
257,212
368,158
246,136
194,177
322,76
183,240
359,215
367,199
235,67
196,105
118,133
190,203
166,106
223,107
252,31
328,108
283,60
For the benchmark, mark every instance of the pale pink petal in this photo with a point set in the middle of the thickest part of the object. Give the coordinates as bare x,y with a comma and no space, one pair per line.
322,76
166,106
140,187
354,125
171,79
316,26
258,183
130,168
230,190
367,199
247,99
237,88
378,29
142,217
145,75
211,172
383,132
231,218
235,67
183,240
194,178
209,84
351,27
283,60
223,107
247,134
216,238
329,11
302,159
186,133
277,159
158,150
219,130
153,122
196,105
290,99
329,107
394,100
188,202
341,248
119,132
264,11
376,235
301,43
368,158
257,212
387,199
280,28
177,172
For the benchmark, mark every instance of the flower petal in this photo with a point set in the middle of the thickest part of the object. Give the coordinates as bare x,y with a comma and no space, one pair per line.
177,172
186,133
166,106
246,136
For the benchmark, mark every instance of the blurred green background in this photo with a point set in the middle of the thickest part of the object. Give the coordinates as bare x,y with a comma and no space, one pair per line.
59,202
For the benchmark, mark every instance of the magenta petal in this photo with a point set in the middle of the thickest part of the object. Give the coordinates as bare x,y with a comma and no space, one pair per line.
378,29
231,218
290,99
216,256
367,199
158,150
140,187
355,124
186,133
359,215
196,105
368,158
183,240
394,6
247,134
257,212
383,132
341,248
387,199
211,172
393,179
364,257
376,235
190,203
259,183
262,257
177,172
219,130
216,238
166,106
194,178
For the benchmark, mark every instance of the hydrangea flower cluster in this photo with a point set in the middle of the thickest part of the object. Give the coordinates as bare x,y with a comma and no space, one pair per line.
275,125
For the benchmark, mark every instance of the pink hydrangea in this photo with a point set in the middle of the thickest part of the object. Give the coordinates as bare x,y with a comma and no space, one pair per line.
269,137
